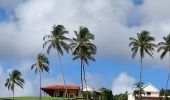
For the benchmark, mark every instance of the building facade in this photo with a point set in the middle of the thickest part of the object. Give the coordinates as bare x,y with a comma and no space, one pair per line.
59,91
150,93
74,91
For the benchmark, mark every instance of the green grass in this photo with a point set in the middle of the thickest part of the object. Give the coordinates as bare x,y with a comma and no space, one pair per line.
34,98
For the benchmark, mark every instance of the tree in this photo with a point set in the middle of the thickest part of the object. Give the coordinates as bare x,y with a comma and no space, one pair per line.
40,66
165,93
83,49
14,79
165,48
143,44
138,89
106,94
58,41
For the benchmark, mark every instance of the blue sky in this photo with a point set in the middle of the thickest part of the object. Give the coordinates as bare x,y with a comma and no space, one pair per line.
24,23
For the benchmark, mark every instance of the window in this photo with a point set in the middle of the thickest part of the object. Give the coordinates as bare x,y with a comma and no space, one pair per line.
61,93
148,93
71,96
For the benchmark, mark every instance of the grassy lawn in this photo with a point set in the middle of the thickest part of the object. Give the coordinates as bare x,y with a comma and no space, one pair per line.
34,98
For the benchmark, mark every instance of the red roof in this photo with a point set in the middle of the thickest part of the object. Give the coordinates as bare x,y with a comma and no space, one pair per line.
71,87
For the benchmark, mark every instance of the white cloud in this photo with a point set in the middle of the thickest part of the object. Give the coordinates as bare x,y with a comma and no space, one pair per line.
93,80
123,83
107,19
35,18
31,86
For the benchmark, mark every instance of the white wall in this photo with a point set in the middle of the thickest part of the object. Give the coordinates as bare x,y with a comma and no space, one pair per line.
131,97
153,94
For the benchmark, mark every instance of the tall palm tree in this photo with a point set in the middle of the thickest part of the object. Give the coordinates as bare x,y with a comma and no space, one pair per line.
59,42
144,44
83,49
14,79
165,48
40,66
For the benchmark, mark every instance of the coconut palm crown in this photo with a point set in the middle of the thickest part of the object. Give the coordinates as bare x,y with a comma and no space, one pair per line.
41,63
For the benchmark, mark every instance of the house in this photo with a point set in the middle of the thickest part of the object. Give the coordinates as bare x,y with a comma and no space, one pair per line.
59,91
74,91
150,93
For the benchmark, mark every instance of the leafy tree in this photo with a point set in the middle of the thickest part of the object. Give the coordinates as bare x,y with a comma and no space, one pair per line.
144,44
165,48
120,97
83,49
106,94
138,89
14,79
165,93
40,66
58,41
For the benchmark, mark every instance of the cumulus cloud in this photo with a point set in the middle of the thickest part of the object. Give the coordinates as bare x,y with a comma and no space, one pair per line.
31,86
112,22
35,18
94,80
123,83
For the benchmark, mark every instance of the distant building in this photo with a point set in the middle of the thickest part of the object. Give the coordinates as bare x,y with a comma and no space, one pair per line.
150,93
74,91
59,91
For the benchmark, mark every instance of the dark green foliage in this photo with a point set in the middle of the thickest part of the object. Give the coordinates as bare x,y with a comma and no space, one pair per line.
143,44
106,94
57,40
41,63
120,97
164,92
138,86
164,46
14,79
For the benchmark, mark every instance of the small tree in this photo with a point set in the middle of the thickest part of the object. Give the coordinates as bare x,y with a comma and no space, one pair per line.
138,90
14,79
106,94
40,66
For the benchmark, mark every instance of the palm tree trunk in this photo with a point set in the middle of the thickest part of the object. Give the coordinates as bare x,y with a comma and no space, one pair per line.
140,88
40,85
85,81
166,88
61,69
82,77
13,93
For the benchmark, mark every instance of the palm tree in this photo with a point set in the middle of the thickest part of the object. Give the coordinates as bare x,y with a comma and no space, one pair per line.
165,48
83,49
58,41
40,66
14,79
137,90
143,44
